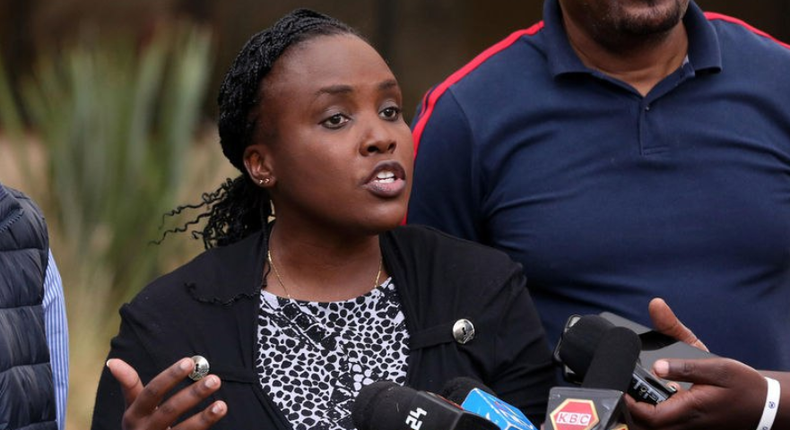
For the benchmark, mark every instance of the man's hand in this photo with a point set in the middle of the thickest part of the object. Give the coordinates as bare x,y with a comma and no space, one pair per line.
726,395
665,321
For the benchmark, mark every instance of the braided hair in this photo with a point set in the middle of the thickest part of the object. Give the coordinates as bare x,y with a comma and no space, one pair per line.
238,207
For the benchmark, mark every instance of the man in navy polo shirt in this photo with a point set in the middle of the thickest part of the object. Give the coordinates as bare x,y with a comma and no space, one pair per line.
624,150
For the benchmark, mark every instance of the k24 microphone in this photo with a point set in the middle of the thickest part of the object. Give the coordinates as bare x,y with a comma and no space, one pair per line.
598,404
475,397
386,405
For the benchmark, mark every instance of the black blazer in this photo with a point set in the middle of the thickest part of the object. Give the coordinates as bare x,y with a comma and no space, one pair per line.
210,306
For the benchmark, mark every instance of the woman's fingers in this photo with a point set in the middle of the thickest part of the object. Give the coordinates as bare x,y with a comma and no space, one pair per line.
186,399
146,407
206,418
127,377
152,394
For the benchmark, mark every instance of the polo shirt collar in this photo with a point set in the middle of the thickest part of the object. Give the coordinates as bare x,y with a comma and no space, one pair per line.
704,51
561,56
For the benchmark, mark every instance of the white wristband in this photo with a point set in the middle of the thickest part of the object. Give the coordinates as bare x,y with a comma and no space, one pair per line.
771,404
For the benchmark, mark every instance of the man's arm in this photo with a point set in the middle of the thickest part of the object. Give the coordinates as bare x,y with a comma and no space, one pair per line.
446,191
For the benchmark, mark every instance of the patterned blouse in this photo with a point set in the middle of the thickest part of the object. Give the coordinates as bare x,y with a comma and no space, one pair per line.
314,358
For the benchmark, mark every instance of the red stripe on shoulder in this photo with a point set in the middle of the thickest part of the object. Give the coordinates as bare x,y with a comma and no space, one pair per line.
714,16
431,98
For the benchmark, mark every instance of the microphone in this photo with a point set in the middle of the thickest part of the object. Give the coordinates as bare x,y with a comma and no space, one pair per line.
578,344
475,397
614,360
385,405
598,404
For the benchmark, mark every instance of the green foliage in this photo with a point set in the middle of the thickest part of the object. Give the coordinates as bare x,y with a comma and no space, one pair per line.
105,137
117,120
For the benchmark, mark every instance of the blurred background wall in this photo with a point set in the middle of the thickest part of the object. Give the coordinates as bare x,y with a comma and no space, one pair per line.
150,70
423,40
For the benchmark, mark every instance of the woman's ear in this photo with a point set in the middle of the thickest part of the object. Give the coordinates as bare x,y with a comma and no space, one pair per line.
257,161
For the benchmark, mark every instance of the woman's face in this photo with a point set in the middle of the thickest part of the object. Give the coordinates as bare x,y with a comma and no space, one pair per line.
331,133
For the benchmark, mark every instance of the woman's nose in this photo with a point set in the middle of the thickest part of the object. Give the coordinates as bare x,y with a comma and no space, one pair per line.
378,139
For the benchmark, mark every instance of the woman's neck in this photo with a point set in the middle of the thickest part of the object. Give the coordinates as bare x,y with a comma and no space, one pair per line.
322,267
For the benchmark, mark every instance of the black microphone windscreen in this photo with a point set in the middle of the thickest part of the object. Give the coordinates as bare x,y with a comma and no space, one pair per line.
579,342
366,405
456,389
613,362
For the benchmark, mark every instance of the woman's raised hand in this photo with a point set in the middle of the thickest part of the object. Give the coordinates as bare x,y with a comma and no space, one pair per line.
145,408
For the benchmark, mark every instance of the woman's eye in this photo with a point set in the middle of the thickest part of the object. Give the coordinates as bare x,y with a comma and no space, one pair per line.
391,113
335,121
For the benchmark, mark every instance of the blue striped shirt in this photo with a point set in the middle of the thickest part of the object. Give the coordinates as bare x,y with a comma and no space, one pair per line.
57,337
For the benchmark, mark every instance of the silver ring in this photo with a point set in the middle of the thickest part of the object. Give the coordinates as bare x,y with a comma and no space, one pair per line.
201,368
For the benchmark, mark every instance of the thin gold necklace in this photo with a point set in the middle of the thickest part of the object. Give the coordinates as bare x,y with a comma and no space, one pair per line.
280,279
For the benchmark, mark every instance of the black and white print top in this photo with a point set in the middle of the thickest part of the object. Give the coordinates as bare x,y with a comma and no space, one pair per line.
314,358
